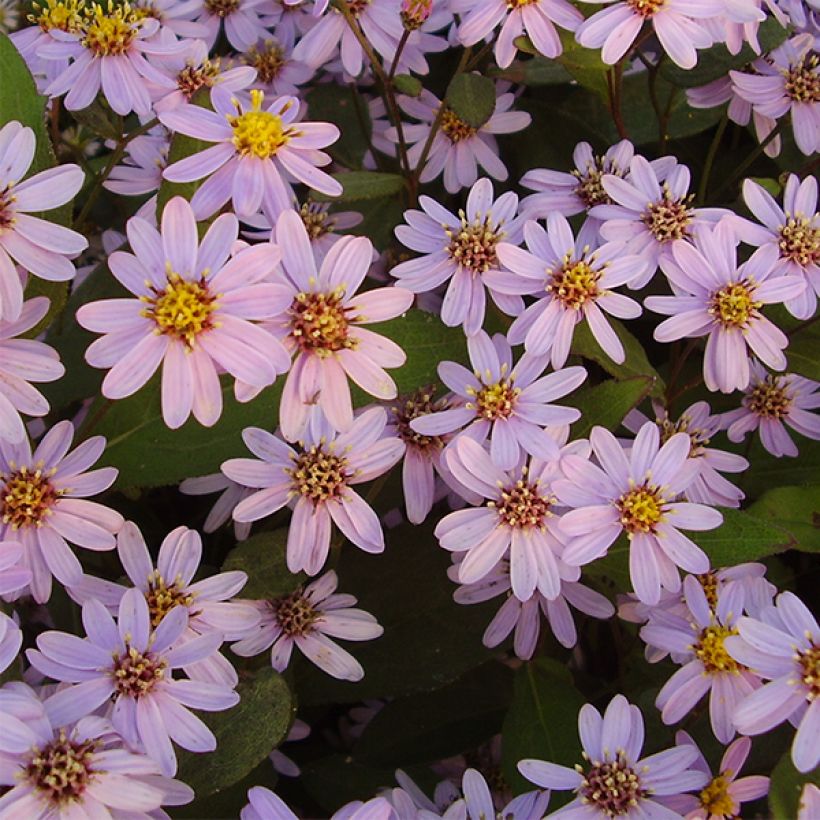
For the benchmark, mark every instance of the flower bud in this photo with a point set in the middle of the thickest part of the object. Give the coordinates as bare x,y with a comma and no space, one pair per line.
414,13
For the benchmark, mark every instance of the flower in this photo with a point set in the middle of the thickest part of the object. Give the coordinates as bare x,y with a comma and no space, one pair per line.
636,496
193,311
572,283
23,361
231,494
41,247
11,639
718,298
43,506
258,150
141,170
613,780
308,618
478,800
320,479
533,18
9,15
505,403
793,229
53,769
131,665
772,402
14,576
277,73
241,19
263,804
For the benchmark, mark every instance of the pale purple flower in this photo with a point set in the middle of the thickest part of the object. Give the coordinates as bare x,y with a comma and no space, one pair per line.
23,361
43,504
461,249
458,148
377,808
782,646
572,283
14,576
480,804
697,641
241,20
786,82
289,22
193,311
11,637
505,403
263,804
739,24
131,665
674,22
231,494
771,403
613,779
535,19
319,479
637,496
140,172
174,17
42,248
277,72
258,149
793,229
307,619
53,769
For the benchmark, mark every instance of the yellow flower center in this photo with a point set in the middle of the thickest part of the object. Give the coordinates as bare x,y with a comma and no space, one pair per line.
715,798
318,474
646,8
256,132
268,61
61,770
669,218
58,14
163,597
769,398
800,240
473,244
183,310
135,674
494,401
295,614
803,81
454,128
734,304
110,31
590,188
711,651
574,283
27,497
519,4
222,8
319,322
641,509
523,505
809,662
317,219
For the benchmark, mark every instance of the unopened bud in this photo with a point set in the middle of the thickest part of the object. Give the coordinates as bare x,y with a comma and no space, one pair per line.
414,13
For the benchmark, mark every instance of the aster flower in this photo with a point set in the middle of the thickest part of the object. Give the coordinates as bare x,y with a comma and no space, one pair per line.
320,479
174,17
242,21
782,646
230,494
572,283
535,19
277,72
674,22
14,576
131,664
53,769
140,172
479,802
786,83
11,638
505,403
637,496
461,249
458,148
193,311
614,780
263,804
289,22
43,506
307,619
257,150
793,229
42,248
9,15
23,361
718,298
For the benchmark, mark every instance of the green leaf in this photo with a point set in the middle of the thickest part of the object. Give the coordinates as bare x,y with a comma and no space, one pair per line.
607,403
767,471
796,510
584,65
99,119
542,722
363,185
803,352
345,108
742,537
245,734
786,788
536,72
471,97
407,84
262,558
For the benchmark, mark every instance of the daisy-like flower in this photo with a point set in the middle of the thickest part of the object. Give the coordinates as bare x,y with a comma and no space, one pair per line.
42,248
323,322
193,311
637,496
131,665
518,520
241,19
319,478
786,83
535,19
613,780
11,637
53,769
793,229
23,361
14,576
782,646
461,249
458,148
505,403
571,283
9,15
230,494
698,642
770,404
277,73
307,619
722,796
258,149
263,804
141,170
717,298
674,22
480,803
43,506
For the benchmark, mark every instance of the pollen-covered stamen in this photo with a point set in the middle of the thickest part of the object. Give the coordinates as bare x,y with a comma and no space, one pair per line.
519,4
734,304
523,505
710,650
183,310
317,219
669,218
257,132
295,614
136,673
454,128
110,31
709,582
420,403
268,60
357,7
318,474
222,8
612,786
473,244
800,240
808,662
715,798
162,597
698,439
590,188
769,398
574,283
27,497
64,15
319,322
641,509
803,81
61,770
193,77
646,8
495,400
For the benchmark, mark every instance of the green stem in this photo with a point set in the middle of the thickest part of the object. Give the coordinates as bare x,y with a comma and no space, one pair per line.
710,158
402,43
741,169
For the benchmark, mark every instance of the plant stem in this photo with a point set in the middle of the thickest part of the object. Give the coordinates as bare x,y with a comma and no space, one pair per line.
614,81
710,159
400,48
741,169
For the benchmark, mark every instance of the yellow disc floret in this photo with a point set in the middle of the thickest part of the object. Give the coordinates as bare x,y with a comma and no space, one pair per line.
715,798
183,310
110,31
256,132
734,304
641,509
64,15
710,650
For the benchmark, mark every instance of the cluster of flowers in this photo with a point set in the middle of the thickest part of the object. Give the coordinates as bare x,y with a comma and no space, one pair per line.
93,729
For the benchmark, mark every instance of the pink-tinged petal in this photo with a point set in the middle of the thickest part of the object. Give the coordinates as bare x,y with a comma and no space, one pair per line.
767,707
330,657
381,304
463,529
643,569
74,702
482,557
180,241
133,371
154,736
357,521
177,386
